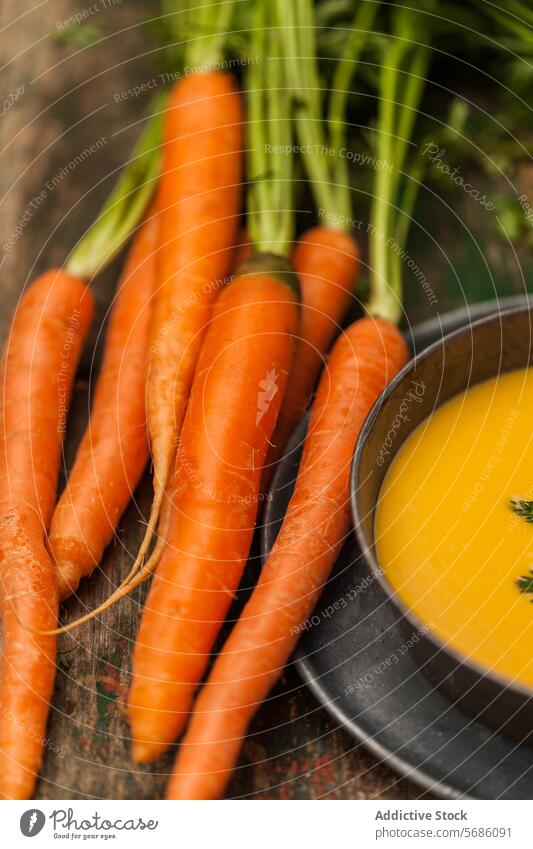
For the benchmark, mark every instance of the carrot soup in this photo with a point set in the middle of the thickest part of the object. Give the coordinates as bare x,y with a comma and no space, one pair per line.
454,524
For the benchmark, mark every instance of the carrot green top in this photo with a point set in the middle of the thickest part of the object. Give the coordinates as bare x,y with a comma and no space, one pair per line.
401,84
126,204
269,141
322,142
208,23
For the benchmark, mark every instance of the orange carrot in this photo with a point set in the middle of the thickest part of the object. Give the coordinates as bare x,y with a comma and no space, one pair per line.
232,411
363,360
327,262
326,257
38,368
114,449
39,364
199,203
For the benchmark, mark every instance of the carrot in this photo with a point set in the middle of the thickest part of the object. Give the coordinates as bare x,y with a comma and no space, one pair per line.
317,520
114,449
39,364
232,410
326,257
363,360
199,202
327,262
138,576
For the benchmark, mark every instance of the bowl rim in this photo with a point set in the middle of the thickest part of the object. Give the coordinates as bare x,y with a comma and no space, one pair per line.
367,549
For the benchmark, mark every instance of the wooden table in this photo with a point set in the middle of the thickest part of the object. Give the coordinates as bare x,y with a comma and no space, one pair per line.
72,97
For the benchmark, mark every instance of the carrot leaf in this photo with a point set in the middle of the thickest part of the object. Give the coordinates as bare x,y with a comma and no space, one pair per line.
404,64
126,204
341,84
298,37
270,214
208,23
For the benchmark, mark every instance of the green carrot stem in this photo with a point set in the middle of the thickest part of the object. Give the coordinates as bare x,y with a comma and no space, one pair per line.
126,204
412,182
385,300
280,136
400,218
172,14
516,8
297,27
403,219
270,214
414,87
511,18
345,69
396,187
341,84
208,22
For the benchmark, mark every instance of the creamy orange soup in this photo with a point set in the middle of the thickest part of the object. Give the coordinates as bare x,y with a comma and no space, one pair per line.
448,534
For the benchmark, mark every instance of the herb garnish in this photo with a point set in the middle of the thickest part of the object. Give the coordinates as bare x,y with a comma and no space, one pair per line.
525,583
522,508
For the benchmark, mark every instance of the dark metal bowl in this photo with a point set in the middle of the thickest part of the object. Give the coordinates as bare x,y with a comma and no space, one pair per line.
482,350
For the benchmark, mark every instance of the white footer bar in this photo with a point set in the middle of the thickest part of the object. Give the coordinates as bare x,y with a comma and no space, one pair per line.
266,825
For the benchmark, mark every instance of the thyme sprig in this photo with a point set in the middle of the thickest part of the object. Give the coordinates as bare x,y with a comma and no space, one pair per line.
525,583
522,508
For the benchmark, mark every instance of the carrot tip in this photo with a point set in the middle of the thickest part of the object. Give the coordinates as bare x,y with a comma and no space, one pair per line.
143,752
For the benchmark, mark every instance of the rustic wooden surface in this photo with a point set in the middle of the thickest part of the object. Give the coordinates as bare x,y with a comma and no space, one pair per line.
295,750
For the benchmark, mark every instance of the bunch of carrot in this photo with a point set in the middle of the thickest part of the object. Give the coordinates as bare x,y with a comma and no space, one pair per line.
39,364
364,358
208,367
